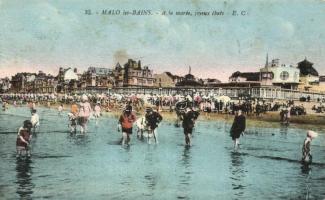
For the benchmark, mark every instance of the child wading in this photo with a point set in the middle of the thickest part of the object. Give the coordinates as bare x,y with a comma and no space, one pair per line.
188,124
23,138
126,120
153,119
306,153
73,116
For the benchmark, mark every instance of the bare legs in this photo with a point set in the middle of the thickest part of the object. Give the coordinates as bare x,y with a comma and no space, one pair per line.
188,141
236,143
125,138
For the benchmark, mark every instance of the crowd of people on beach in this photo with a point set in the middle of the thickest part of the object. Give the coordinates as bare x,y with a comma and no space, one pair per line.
187,109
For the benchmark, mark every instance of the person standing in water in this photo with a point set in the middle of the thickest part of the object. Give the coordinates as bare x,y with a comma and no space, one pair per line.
189,118
306,153
74,109
4,105
97,112
23,138
34,120
84,113
153,118
73,116
126,120
60,109
238,127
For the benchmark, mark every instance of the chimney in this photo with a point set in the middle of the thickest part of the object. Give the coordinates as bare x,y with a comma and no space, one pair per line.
75,70
139,64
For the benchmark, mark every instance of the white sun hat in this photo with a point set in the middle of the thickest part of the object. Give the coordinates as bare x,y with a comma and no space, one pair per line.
312,134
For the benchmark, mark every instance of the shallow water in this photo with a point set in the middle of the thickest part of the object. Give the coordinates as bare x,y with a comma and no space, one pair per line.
96,167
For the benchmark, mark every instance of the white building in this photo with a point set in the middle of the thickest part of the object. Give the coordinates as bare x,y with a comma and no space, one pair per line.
275,73
70,74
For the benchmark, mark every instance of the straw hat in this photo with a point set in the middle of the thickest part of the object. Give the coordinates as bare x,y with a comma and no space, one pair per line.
311,134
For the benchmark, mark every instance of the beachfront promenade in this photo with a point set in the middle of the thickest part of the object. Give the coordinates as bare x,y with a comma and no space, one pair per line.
268,93
232,92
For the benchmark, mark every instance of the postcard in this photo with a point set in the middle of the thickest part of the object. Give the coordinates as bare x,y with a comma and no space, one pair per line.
162,99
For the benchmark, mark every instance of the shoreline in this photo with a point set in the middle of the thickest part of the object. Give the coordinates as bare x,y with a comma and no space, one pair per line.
268,120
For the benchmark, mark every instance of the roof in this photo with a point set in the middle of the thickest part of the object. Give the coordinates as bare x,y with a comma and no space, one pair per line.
322,79
189,77
250,76
212,80
306,68
189,83
99,70
170,75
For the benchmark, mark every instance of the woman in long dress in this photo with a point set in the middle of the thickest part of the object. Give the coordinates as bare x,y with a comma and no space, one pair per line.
238,127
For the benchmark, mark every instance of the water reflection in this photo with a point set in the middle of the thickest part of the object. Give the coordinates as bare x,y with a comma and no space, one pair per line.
150,177
80,139
185,178
24,178
237,174
284,131
305,185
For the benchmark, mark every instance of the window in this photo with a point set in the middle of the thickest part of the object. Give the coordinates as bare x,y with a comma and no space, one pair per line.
284,75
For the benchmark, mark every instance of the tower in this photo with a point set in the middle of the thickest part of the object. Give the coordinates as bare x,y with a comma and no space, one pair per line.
267,60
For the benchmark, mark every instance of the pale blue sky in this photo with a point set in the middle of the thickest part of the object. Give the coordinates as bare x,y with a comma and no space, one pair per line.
41,35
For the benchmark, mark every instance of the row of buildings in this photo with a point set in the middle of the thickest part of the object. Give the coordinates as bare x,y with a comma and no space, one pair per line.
132,74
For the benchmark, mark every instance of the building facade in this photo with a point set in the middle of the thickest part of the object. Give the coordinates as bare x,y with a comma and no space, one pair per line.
282,75
166,79
190,81
33,83
5,85
68,80
44,83
22,82
272,74
97,77
132,74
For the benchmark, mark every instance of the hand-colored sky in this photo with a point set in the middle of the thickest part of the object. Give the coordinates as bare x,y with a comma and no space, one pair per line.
45,35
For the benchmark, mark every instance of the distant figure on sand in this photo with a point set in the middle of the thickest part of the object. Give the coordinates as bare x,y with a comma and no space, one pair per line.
126,120
189,118
23,139
238,127
306,153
